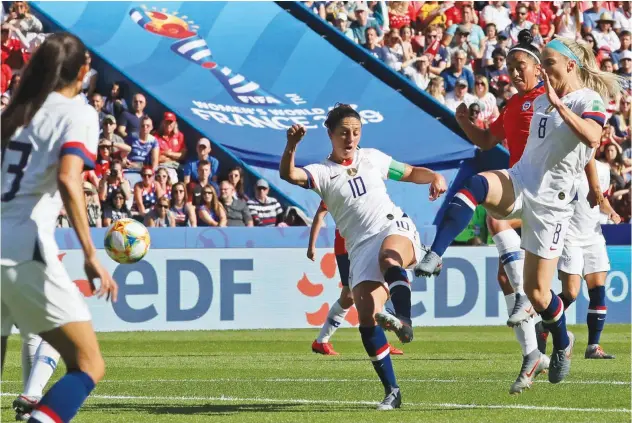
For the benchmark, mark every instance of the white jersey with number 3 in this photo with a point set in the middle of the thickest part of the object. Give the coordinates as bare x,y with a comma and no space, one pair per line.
356,194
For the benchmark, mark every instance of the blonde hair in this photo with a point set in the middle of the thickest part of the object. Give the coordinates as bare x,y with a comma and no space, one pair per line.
606,84
485,82
435,87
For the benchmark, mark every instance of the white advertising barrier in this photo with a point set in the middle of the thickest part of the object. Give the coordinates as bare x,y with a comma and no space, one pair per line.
255,288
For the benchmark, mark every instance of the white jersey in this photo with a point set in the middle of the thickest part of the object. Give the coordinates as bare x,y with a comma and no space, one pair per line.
356,195
30,197
554,157
585,228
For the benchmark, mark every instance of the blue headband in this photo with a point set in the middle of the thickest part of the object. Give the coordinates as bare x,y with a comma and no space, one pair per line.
561,48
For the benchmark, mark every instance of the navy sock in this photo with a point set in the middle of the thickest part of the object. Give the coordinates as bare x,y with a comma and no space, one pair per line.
459,212
554,320
566,301
62,402
377,347
399,287
596,318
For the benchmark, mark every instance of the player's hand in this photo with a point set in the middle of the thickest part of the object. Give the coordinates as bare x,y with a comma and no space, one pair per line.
554,99
295,134
607,209
311,253
462,113
108,287
437,187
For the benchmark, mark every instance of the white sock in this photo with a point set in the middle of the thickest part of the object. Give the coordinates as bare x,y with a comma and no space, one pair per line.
43,368
512,257
335,318
525,333
29,349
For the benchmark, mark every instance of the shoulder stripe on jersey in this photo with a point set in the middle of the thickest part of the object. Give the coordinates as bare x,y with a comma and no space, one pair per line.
598,117
78,149
310,180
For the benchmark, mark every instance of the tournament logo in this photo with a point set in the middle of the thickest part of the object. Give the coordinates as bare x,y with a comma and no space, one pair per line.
526,106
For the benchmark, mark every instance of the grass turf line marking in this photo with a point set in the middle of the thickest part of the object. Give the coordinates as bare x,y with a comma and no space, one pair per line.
338,402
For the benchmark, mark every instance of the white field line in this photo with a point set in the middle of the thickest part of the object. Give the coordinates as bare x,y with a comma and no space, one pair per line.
338,402
335,380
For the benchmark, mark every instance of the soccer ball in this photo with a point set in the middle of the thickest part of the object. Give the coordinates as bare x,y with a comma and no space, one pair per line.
126,241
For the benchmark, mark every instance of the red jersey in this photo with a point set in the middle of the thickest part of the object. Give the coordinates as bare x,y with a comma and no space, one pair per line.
172,143
517,113
340,246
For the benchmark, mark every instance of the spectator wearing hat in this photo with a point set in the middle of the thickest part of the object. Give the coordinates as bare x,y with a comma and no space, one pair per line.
144,148
474,35
171,141
456,71
118,145
462,42
496,13
96,101
623,17
129,122
265,211
92,205
237,211
518,23
625,69
459,95
373,46
603,33
362,22
592,15
203,152
341,22
625,37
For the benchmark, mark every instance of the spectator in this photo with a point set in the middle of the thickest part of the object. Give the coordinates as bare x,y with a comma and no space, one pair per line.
118,145
160,216
496,70
11,48
265,211
372,45
619,172
623,17
607,65
454,15
129,123
417,70
406,34
341,22
101,164
457,71
436,89
625,37
21,17
592,15
475,116
195,188
173,149
592,44
435,50
237,211
4,101
398,16
163,183
487,101
203,150
183,212
89,83
491,41
317,7
519,23
497,14
394,50
115,209
432,13
210,212
620,121
462,42
362,22
569,22
236,177
625,69
144,148
145,194
93,207
112,182
96,101
459,95
5,74
604,35
540,13
505,91
115,104
538,40
474,34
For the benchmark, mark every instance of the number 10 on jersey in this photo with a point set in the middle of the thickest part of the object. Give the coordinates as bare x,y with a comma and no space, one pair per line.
358,189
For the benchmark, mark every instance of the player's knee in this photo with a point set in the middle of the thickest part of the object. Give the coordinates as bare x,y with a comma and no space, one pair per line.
571,292
387,260
539,298
476,188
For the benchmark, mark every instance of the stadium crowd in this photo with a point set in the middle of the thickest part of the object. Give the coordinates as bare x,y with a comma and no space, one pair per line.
455,51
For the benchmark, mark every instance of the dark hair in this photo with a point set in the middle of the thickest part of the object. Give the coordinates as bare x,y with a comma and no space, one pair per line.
524,43
56,64
203,163
338,113
239,188
624,33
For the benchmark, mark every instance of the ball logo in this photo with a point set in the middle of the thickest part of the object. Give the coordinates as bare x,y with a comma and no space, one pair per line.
526,106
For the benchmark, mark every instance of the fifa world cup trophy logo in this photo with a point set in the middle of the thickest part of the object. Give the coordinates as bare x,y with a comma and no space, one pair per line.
194,48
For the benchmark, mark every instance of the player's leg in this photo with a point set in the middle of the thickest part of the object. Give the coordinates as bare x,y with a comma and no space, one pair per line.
596,269
338,310
494,190
3,352
30,343
369,299
397,252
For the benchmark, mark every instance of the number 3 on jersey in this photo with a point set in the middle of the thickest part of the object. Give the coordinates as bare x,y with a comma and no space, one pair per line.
358,189
16,169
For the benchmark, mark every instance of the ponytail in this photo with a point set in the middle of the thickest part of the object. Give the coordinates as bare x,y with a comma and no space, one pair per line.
55,65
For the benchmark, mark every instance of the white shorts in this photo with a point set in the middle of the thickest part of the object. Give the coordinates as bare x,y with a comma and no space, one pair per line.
584,260
365,265
543,228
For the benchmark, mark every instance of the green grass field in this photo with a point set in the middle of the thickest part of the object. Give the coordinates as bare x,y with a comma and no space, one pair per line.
459,374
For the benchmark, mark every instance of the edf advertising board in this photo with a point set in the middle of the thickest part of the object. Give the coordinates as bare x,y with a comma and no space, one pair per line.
261,279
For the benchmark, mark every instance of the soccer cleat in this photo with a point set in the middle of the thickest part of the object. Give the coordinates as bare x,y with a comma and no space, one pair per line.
542,335
522,311
596,352
23,406
324,348
560,365
392,400
533,364
400,325
430,265
396,351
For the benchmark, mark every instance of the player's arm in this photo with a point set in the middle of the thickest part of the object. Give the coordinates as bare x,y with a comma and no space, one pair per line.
482,138
287,170
317,223
398,171
595,192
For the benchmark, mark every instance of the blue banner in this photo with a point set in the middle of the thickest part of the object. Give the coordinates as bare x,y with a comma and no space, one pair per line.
242,73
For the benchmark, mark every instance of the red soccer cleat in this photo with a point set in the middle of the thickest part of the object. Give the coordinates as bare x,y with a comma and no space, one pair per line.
396,351
324,348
